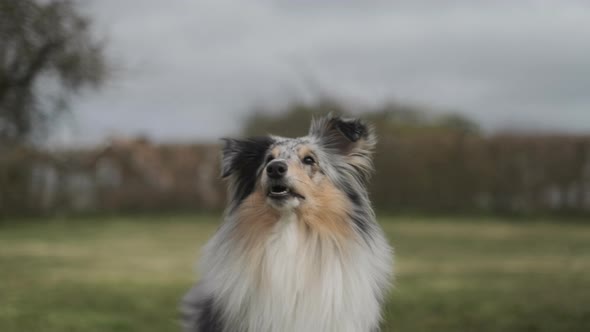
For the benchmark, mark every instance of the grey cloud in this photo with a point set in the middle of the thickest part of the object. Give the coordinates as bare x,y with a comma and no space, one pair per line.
190,69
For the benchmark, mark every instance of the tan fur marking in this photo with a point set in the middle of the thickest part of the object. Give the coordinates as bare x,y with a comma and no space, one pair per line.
325,208
256,219
326,211
255,222
275,151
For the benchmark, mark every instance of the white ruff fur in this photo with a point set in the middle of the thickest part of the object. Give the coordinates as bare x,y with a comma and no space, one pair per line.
298,281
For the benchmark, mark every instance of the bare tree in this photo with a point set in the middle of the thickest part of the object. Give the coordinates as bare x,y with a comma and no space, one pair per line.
47,52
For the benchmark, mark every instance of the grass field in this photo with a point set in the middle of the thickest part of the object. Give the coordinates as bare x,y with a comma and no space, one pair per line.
127,274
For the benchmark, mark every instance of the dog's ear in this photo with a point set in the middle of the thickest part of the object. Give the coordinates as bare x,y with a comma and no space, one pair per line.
351,138
242,156
229,156
240,161
342,135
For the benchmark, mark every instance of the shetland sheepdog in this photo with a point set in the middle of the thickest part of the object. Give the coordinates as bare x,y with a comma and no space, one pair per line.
299,248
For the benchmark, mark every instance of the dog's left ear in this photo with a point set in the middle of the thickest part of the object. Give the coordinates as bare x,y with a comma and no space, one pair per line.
351,138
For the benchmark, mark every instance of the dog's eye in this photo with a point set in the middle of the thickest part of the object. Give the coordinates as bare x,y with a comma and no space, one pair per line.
269,158
308,160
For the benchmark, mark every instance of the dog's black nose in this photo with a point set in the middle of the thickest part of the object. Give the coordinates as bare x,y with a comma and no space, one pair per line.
276,169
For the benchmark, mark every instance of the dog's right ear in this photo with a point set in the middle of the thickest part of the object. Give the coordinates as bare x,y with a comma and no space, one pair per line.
242,157
229,154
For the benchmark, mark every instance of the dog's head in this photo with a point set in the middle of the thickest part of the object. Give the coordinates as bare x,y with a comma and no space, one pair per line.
334,159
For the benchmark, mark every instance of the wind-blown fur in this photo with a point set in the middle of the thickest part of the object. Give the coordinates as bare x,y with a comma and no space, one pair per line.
299,251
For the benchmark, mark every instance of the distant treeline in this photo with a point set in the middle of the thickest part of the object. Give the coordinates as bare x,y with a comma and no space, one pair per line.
124,175
424,163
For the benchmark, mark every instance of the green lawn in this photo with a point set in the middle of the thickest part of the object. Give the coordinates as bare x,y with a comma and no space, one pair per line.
127,274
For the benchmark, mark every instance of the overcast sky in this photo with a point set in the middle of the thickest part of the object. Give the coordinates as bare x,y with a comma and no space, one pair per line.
190,70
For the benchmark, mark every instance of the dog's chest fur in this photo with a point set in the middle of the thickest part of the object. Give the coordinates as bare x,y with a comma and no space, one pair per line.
299,280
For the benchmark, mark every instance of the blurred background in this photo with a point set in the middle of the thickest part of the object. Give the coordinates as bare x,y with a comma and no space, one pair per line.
111,114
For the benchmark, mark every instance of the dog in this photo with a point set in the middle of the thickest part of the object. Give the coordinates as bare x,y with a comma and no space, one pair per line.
299,249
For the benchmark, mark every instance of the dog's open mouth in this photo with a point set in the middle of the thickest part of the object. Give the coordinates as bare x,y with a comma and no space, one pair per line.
279,191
